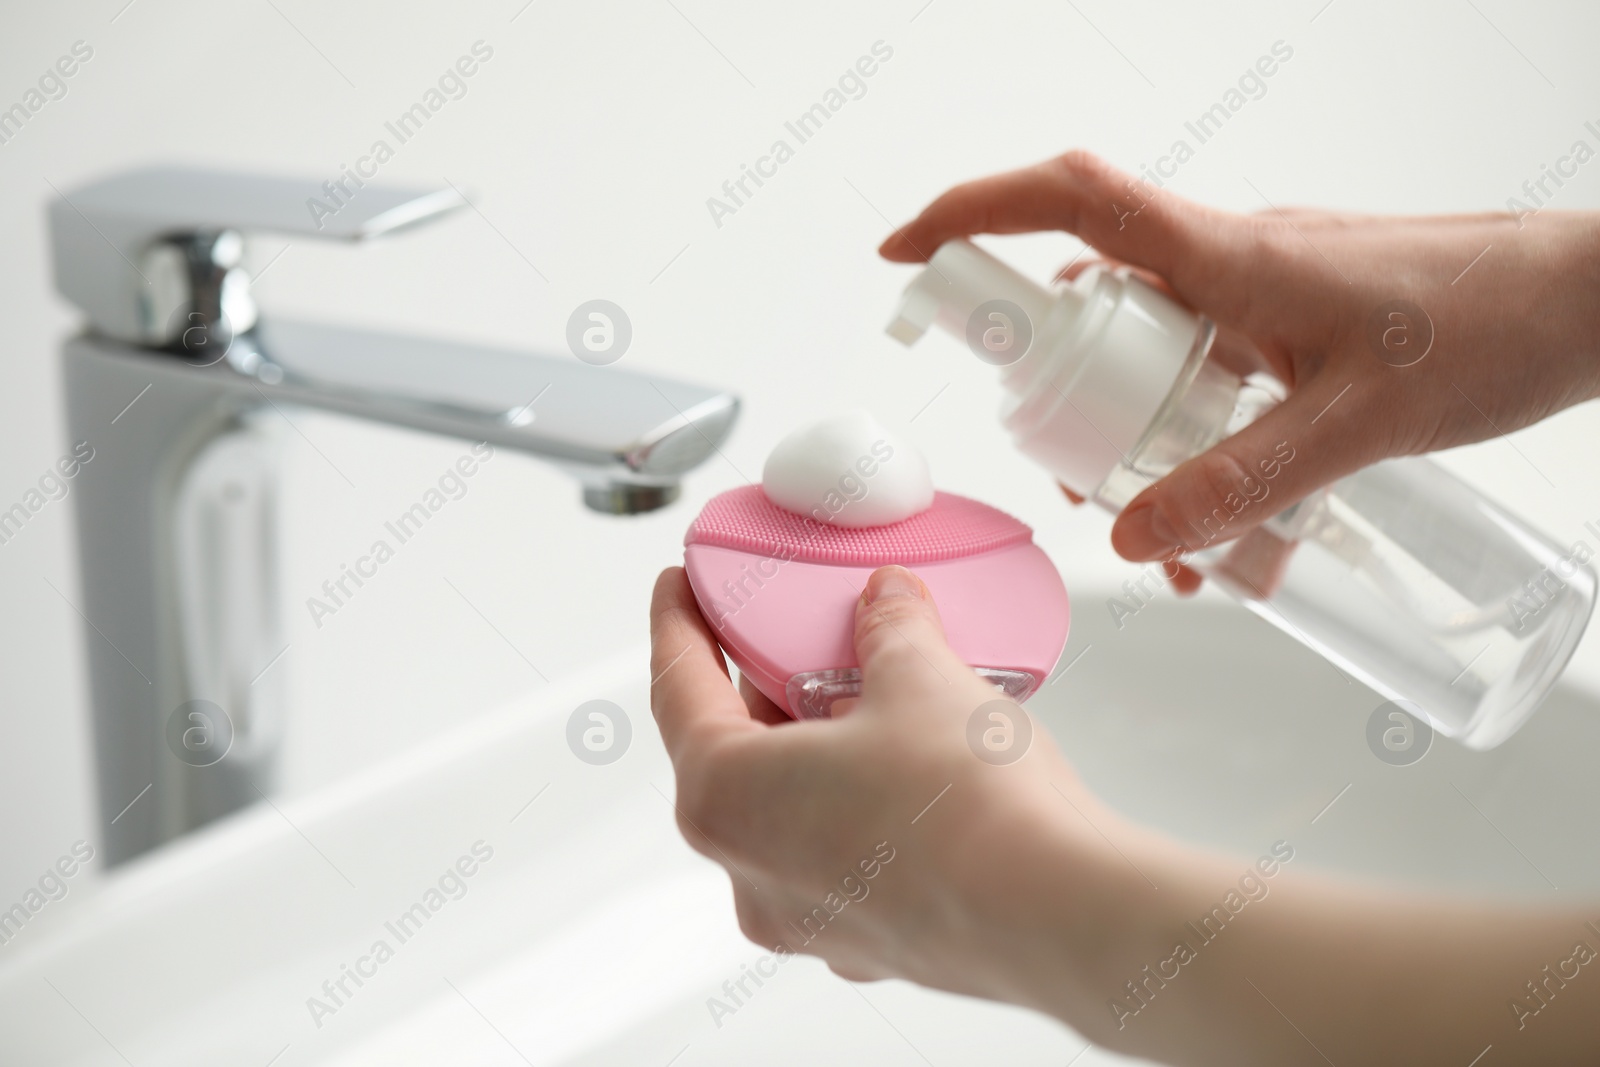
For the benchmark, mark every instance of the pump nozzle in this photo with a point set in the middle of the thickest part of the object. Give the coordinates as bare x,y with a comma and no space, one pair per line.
959,279
916,313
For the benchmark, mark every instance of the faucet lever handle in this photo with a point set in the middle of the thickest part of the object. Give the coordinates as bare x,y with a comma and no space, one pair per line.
143,251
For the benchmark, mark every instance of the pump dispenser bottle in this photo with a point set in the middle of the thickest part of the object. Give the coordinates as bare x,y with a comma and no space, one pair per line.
1401,575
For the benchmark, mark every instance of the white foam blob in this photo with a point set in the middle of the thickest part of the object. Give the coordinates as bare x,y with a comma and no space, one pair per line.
849,470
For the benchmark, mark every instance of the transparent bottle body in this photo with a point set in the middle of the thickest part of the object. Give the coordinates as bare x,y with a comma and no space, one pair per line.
1401,575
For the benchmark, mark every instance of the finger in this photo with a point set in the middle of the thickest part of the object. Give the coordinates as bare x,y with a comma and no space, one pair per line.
1071,271
758,912
900,642
1069,494
856,972
842,707
1186,581
762,709
1239,354
1081,264
690,692
1260,560
1233,487
1201,251
1231,349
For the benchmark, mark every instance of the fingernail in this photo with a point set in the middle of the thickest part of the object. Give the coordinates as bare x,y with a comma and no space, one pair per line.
1145,534
889,582
899,248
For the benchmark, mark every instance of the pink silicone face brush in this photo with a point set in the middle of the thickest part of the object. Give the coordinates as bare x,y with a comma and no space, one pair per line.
780,589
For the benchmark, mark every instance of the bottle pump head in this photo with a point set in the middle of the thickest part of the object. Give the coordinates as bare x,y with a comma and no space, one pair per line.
1087,367
959,280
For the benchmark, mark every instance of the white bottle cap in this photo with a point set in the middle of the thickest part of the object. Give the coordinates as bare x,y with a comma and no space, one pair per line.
960,278
1101,355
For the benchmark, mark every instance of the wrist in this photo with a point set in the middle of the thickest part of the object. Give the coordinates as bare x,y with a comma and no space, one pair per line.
1070,900
1114,929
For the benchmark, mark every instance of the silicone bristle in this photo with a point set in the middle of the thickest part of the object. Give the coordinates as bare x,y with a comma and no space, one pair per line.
952,528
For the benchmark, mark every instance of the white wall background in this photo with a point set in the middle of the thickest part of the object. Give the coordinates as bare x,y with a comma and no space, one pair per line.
592,140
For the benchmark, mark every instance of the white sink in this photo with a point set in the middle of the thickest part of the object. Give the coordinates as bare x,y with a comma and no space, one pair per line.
594,935
1207,722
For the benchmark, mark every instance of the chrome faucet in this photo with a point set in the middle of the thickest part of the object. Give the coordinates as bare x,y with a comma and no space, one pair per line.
178,386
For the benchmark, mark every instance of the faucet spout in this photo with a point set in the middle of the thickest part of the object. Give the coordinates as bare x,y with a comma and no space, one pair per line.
627,437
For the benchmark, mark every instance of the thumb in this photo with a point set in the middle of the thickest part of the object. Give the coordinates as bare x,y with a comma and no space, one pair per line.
1286,455
900,641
